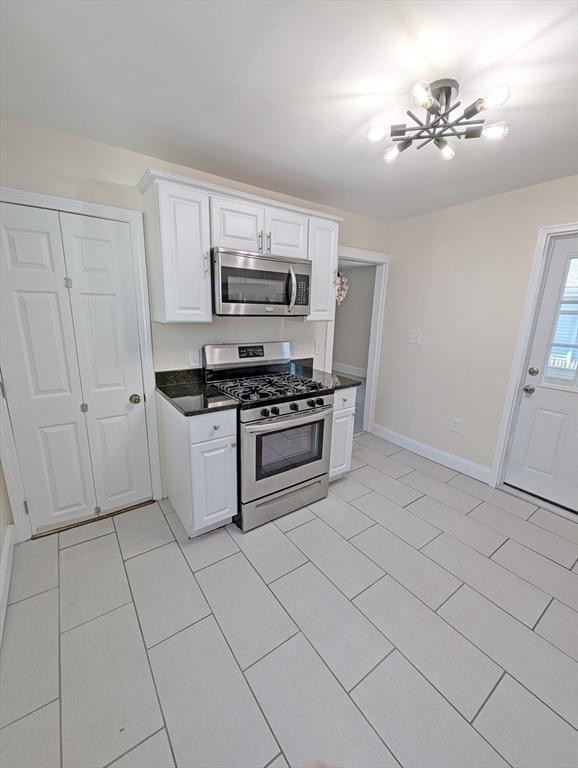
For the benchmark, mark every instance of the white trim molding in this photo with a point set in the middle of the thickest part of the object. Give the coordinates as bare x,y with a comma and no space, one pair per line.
350,370
465,466
542,255
5,573
135,221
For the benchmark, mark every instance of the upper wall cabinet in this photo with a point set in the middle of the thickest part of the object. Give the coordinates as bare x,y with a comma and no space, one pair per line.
323,255
286,233
178,238
237,224
243,226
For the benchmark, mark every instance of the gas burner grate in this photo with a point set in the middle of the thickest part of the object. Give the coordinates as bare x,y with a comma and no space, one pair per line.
268,387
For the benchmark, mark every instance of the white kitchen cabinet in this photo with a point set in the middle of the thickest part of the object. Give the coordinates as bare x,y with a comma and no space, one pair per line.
214,481
237,224
178,238
286,233
342,432
323,256
200,460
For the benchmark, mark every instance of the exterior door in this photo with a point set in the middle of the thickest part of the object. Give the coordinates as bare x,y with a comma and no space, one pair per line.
237,224
40,369
214,481
544,454
98,257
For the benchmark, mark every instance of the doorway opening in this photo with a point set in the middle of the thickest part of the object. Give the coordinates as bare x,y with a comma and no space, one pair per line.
354,318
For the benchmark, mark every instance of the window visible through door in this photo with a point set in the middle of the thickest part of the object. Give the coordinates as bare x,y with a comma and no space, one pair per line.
562,363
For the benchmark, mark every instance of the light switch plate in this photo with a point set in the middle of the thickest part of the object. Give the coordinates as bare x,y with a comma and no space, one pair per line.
415,337
195,358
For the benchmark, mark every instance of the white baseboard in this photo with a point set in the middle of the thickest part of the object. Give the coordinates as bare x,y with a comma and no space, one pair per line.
5,572
450,460
351,370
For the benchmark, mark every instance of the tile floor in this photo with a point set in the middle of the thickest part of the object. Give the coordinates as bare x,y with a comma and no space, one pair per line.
415,617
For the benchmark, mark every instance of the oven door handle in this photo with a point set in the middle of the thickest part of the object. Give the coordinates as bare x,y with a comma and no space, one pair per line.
293,289
275,424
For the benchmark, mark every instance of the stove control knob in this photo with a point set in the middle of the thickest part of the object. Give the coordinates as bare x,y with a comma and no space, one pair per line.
319,401
264,412
311,403
293,406
275,410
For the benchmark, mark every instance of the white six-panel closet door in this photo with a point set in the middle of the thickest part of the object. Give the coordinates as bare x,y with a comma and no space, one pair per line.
98,257
40,369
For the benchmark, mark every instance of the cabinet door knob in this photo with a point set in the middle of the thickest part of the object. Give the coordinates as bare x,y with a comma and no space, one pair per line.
216,426
134,399
233,445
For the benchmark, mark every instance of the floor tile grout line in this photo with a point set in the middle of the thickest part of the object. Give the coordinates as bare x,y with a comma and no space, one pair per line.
441,533
128,751
93,618
375,666
485,701
59,665
449,597
277,578
274,735
160,706
84,541
36,594
372,524
276,758
178,632
491,555
27,714
541,616
209,565
276,648
152,549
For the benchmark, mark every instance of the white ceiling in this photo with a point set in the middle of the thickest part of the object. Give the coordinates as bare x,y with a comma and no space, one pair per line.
277,93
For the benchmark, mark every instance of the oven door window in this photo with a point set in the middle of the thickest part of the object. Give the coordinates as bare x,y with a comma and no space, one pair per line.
287,449
254,286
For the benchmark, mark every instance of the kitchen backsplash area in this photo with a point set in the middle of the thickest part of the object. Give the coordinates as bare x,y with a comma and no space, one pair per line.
178,345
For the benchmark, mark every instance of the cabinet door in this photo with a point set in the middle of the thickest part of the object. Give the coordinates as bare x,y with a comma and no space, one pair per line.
237,224
341,442
286,233
185,254
323,257
214,481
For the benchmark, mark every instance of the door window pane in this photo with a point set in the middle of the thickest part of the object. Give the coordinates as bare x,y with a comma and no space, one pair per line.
562,362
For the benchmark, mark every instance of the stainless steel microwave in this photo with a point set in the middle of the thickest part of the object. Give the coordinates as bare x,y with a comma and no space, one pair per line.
247,283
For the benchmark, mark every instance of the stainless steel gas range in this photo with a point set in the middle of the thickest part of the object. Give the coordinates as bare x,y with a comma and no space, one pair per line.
284,428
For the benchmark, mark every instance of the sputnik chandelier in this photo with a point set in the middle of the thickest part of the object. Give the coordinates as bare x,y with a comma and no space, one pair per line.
440,124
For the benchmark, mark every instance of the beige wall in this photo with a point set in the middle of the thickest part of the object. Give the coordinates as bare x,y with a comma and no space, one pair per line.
5,511
460,276
353,318
41,160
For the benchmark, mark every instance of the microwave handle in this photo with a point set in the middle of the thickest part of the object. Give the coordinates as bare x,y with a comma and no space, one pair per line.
293,288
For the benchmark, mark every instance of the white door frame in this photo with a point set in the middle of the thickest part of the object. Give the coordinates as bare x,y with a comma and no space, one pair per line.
381,262
546,238
135,221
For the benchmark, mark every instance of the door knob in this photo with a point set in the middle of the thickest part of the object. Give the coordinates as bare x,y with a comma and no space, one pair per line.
134,399
533,371
529,389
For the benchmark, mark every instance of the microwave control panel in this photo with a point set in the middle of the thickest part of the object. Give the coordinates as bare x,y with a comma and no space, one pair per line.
302,297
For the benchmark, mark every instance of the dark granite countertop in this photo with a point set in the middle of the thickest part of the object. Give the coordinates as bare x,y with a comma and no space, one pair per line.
191,395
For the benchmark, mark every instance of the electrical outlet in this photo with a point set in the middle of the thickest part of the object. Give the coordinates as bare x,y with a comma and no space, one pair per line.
456,425
318,347
195,358
415,337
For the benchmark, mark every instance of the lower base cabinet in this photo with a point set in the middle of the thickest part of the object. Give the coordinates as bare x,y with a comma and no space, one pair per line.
200,461
214,481
342,435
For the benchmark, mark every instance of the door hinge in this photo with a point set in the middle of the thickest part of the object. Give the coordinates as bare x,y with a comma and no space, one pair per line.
67,282
84,407
97,510
2,389
26,510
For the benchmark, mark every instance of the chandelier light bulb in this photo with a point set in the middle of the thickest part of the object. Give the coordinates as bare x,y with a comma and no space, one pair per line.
421,93
375,133
391,154
496,131
497,96
448,152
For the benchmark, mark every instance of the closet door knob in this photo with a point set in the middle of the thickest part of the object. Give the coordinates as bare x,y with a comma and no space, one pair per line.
134,399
